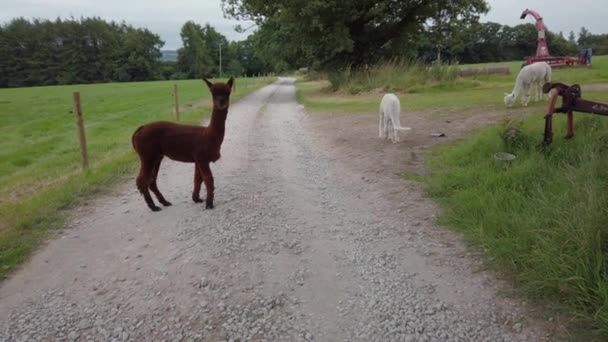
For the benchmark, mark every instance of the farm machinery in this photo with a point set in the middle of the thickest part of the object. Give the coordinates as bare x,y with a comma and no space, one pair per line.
542,49
571,102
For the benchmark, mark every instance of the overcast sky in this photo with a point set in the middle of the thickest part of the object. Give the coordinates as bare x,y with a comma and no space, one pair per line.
165,17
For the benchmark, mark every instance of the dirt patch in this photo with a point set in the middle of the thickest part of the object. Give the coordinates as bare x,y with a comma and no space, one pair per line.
594,87
352,142
356,142
195,105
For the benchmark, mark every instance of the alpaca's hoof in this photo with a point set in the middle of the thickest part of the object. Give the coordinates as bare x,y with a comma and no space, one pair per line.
166,203
209,205
197,200
155,208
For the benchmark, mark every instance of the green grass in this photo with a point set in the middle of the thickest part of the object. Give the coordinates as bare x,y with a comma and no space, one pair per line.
362,93
40,172
544,217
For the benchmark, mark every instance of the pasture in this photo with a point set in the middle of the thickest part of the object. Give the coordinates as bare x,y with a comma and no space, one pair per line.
40,172
541,219
435,88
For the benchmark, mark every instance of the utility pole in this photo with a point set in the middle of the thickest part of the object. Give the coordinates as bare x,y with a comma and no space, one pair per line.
220,44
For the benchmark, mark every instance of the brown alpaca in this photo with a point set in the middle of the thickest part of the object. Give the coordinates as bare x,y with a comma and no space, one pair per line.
185,143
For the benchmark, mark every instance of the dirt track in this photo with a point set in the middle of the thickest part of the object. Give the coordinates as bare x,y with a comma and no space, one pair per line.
312,238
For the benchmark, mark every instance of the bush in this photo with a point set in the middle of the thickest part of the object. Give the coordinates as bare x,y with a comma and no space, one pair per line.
394,76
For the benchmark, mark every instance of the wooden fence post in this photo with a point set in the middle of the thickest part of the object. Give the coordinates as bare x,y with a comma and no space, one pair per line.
81,134
176,101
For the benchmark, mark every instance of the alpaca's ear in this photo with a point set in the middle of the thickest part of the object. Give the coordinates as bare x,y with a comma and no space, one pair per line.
230,82
507,94
209,84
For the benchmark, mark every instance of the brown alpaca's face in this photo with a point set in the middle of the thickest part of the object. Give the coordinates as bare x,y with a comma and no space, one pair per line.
220,93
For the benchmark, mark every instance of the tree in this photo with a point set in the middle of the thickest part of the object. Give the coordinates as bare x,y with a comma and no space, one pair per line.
193,58
572,38
559,45
247,53
213,40
583,36
482,42
448,25
139,56
336,34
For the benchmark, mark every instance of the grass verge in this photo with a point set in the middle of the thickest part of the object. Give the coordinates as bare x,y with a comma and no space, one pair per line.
40,171
544,216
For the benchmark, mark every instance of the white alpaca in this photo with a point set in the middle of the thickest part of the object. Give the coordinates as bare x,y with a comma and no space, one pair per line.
537,73
390,110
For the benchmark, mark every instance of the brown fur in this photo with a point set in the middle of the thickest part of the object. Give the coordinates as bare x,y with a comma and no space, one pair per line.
185,143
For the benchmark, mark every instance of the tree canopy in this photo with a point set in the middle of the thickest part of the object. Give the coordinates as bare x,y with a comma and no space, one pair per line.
333,34
200,54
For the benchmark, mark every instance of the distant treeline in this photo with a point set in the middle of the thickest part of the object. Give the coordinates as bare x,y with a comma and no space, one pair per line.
76,51
92,50
493,42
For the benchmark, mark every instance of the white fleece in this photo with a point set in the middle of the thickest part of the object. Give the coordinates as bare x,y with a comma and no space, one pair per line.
390,123
537,73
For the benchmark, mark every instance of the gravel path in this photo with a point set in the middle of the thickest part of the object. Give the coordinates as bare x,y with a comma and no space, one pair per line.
297,249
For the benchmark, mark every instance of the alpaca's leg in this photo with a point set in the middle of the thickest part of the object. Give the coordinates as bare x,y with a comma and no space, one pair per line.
198,180
396,124
208,179
385,133
526,95
154,186
539,91
392,131
143,182
381,124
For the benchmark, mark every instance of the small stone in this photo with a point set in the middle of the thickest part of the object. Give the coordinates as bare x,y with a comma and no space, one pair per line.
204,282
72,336
518,327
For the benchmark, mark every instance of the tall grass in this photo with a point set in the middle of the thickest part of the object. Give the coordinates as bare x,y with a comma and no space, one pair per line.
395,75
544,216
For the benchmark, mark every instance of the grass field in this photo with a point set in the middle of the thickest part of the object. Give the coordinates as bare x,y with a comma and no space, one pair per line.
415,95
40,172
543,218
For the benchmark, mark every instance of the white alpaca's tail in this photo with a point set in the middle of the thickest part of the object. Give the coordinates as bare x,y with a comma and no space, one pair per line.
400,128
397,124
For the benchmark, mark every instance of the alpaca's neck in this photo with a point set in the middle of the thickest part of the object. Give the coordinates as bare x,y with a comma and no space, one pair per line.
518,87
218,121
